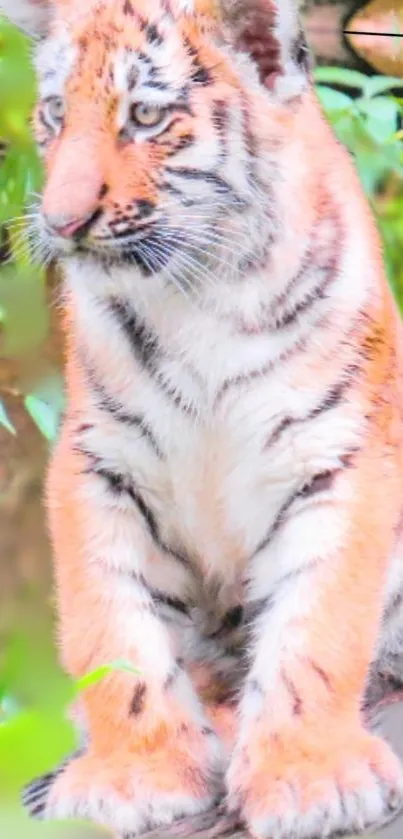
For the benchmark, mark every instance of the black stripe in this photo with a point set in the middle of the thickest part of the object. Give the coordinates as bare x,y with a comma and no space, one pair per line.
288,317
145,59
45,124
319,292
301,54
321,673
221,186
293,575
315,258
83,428
120,485
317,484
32,798
142,340
255,260
172,602
37,811
295,696
132,78
35,795
147,349
156,85
245,378
138,699
249,137
152,34
186,141
256,608
183,198
38,788
276,434
220,118
173,675
282,298
200,74
279,520
107,403
242,379
332,399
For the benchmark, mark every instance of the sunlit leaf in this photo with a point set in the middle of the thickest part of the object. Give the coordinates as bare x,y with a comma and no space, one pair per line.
101,672
43,415
5,419
381,115
9,708
45,404
334,101
340,76
374,85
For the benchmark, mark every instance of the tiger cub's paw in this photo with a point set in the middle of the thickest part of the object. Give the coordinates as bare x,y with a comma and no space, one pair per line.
128,792
291,788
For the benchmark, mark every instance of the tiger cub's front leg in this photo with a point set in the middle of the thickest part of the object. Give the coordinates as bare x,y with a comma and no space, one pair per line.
151,756
304,765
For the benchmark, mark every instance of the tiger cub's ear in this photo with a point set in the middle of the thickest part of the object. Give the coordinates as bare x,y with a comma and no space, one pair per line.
32,16
270,31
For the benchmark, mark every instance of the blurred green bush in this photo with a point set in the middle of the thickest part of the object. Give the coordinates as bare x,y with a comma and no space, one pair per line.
367,118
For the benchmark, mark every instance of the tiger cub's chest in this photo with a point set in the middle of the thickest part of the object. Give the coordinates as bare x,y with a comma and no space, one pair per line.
213,490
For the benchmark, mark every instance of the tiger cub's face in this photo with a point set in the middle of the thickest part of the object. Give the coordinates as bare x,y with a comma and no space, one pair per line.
152,124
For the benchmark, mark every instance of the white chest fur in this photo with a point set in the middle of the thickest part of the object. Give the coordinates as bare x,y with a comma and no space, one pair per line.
231,410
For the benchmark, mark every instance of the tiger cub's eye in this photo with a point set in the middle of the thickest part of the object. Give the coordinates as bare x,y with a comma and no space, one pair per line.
147,115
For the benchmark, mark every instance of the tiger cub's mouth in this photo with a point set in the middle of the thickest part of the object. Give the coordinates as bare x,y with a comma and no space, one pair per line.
150,248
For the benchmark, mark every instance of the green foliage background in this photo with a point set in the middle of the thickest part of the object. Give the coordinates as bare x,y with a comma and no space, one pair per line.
33,692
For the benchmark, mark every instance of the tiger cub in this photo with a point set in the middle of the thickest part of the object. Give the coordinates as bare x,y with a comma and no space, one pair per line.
225,498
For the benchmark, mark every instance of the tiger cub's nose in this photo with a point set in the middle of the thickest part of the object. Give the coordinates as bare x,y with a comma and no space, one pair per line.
71,228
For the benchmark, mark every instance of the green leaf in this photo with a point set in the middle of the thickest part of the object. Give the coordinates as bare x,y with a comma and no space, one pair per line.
100,673
380,84
340,76
45,404
381,115
43,415
9,708
5,419
333,101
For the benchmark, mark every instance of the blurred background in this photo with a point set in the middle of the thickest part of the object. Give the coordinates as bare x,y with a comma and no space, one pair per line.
359,77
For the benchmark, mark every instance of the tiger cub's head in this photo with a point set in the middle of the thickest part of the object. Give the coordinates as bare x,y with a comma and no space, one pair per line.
162,123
